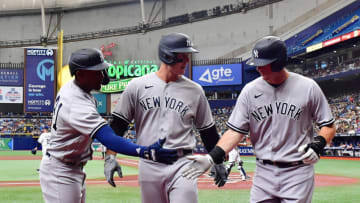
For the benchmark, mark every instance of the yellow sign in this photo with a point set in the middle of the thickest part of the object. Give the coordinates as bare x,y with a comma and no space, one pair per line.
314,47
64,76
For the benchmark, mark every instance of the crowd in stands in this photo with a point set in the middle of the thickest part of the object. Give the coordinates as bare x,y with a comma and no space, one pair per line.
23,126
317,72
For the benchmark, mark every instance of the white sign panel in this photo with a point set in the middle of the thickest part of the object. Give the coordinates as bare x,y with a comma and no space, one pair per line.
11,94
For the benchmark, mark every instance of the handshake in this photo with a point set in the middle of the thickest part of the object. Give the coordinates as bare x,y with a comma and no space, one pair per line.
202,163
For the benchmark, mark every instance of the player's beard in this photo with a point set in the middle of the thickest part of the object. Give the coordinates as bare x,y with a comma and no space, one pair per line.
179,70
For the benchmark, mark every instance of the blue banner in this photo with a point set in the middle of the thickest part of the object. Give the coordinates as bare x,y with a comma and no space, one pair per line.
218,75
11,77
246,151
40,80
101,102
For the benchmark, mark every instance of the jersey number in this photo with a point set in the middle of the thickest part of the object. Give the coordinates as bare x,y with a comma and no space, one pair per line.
56,112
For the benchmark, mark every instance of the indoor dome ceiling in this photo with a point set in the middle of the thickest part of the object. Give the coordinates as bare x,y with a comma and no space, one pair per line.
10,5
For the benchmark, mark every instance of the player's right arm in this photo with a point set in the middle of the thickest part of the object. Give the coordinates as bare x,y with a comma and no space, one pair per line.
117,144
154,152
119,126
229,140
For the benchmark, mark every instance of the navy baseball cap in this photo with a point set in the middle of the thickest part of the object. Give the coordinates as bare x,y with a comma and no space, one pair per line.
87,59
267,50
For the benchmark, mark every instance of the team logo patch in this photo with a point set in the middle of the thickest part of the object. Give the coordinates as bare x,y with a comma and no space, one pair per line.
256,53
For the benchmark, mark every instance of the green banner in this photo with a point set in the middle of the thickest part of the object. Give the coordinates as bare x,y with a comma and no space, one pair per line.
115,86
6,143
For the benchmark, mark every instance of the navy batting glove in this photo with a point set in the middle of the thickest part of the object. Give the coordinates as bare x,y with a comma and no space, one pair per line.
155,152
220,175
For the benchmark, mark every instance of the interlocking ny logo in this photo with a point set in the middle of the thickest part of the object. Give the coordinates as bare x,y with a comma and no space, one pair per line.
256,53
188,43
45,69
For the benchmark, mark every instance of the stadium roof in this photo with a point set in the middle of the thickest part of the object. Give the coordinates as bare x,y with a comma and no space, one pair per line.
25,6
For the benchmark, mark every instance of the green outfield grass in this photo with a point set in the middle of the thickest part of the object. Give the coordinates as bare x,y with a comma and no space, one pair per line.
26,170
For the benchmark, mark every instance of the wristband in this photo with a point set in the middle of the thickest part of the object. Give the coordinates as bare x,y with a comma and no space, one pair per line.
217,154
320,141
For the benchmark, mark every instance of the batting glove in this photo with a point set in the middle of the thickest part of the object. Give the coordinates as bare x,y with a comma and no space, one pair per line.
155,152
220,175
110,167
33,151
199,166
311,152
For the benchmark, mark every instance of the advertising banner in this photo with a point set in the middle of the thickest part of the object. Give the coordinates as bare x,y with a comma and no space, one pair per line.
246,151
11,95
218,75
39,80
11,77
101,102
115,86
6,144
122,72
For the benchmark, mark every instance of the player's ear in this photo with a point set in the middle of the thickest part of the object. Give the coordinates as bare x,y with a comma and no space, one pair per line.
79,74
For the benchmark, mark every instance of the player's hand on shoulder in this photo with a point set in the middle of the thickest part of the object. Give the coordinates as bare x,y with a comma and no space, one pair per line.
200,164
220,175
311,152
110,167
156,152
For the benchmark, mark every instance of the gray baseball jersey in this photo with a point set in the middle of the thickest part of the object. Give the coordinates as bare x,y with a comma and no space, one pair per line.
75,121
279,120
165,110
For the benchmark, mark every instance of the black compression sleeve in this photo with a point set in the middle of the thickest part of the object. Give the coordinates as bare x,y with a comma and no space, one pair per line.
209,137
119,125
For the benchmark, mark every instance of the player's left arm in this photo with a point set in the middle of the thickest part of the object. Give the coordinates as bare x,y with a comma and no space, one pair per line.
328,132
323,116
209,135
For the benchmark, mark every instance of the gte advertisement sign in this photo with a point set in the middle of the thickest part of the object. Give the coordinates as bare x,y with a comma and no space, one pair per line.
217,75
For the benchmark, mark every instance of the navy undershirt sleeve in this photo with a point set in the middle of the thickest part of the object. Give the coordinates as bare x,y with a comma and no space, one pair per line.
107,137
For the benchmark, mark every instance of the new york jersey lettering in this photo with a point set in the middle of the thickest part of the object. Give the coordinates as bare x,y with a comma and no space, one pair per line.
280,108
169,103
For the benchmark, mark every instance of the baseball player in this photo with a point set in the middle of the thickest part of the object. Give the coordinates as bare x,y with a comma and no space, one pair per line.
43,141
234,157
166,104
277,110
75,124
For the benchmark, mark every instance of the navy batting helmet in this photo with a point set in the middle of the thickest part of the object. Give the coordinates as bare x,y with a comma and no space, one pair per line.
269,50
172,44
87,59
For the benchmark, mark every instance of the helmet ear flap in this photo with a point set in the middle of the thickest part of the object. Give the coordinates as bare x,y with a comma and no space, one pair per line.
166,56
